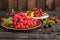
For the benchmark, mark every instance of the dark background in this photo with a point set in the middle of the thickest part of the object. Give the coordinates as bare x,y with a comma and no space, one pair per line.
50,5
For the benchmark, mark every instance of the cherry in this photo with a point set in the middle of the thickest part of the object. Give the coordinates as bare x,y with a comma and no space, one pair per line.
52,18
57,20
46,26
2,19
34,9
7,14
50,25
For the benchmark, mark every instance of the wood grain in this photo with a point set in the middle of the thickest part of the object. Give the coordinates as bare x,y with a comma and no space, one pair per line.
50,5
0,4
57,5
21,4
40,4
12,4
31,4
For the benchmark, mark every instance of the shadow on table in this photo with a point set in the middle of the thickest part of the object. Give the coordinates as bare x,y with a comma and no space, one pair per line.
17,31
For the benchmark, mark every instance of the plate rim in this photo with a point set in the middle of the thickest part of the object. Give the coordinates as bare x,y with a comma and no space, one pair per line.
21,29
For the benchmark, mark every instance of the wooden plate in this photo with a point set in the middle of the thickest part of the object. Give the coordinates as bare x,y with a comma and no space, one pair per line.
38,25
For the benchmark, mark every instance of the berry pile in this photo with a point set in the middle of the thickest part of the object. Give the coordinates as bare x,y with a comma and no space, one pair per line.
22,21
49,22
36,12
55,19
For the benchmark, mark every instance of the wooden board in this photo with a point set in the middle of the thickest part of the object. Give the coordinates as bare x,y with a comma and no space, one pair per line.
21,4
57,5
0,4
40,4
12,4
50,5
31,4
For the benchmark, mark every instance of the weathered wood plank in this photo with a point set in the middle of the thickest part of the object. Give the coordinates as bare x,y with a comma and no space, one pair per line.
21,4
5,4
12,4
40,4
57,5
50,5
0,4
31,4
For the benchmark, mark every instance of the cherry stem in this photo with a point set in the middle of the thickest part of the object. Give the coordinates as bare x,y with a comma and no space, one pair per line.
13,12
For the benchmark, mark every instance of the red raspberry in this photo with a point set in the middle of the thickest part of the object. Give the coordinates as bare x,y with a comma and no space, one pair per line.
16,15
22,26
14,23
17,26
26,26
15,19
21,20
11,26
34,23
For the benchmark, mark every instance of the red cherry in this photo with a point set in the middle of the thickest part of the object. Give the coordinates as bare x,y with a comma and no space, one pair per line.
52,18
57,20
34,9
36,15
50,25
11,14
46,26
7,14
2,19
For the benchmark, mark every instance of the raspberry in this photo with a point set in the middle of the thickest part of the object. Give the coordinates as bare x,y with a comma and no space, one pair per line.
21,14
22,26
16,15
26,26
31,24
34,23
22,21
11,26
14,22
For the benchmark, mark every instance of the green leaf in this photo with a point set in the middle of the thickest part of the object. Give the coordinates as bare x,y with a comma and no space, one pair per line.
48,21
7,22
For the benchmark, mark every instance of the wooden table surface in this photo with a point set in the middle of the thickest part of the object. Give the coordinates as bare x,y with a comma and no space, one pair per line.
36,34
